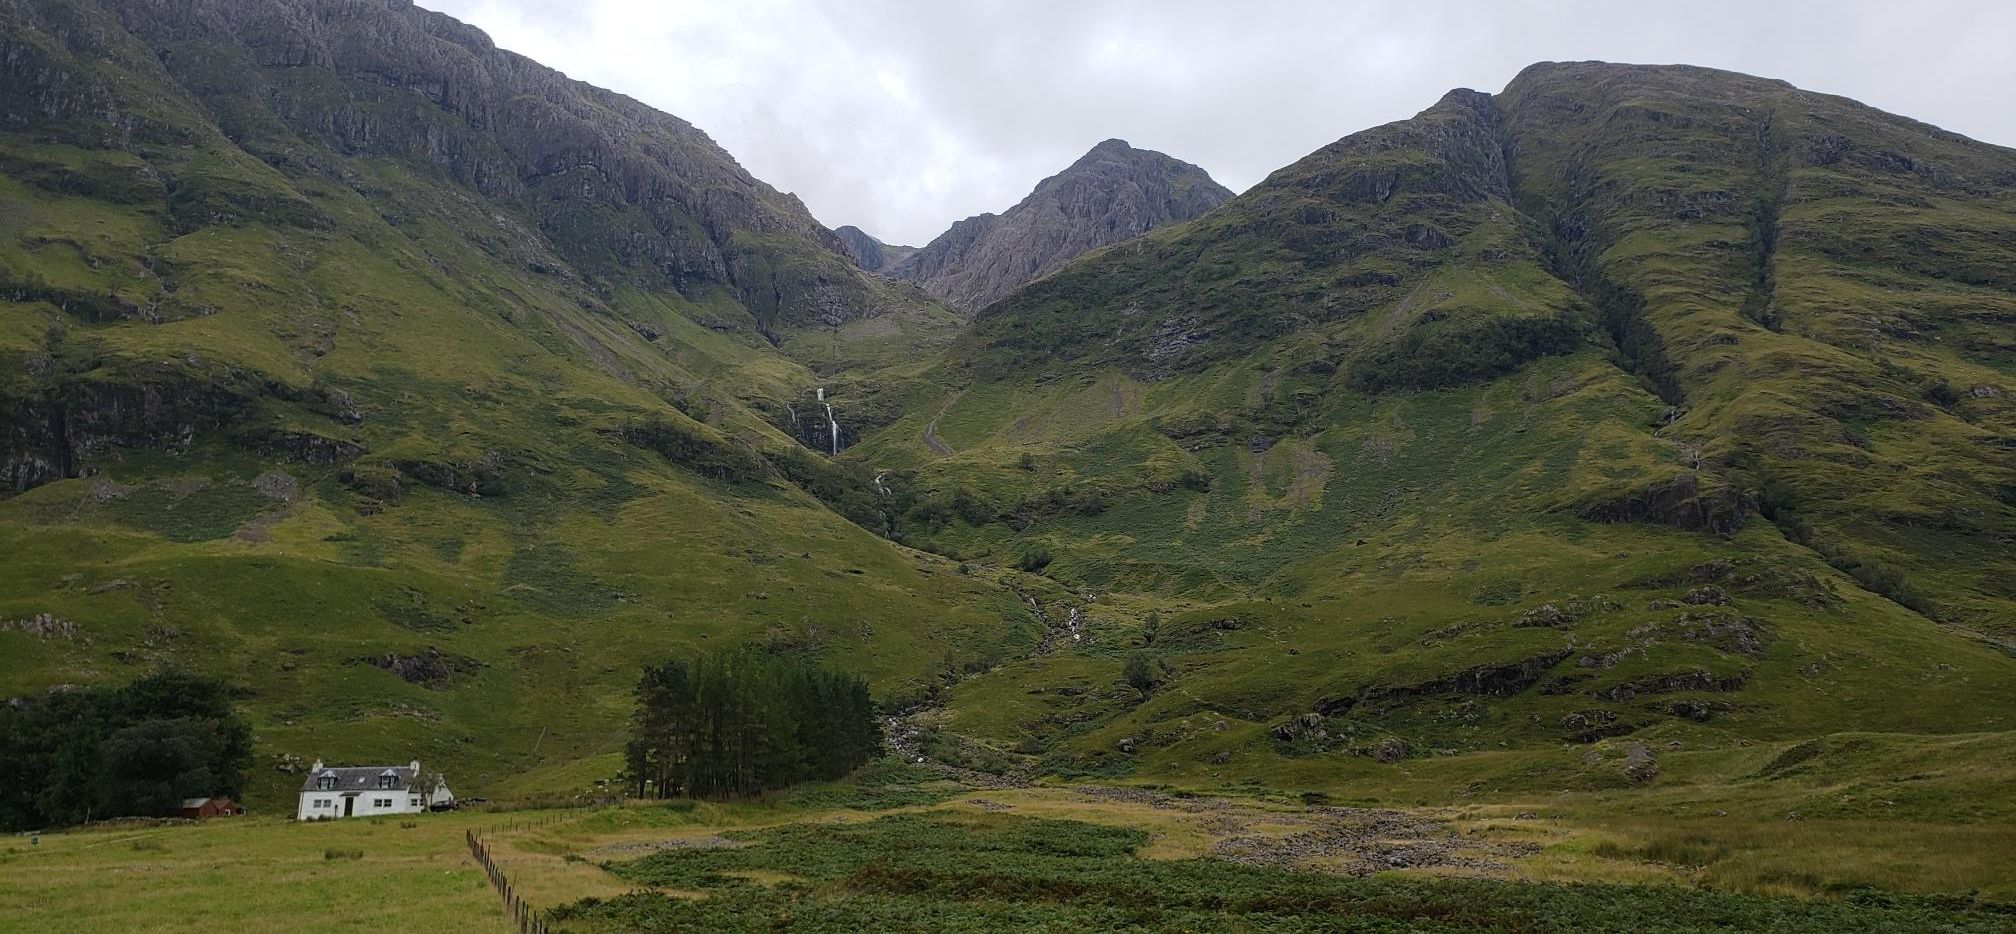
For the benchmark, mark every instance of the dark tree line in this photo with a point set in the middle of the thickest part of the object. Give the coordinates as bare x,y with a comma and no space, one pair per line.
137,750
741,722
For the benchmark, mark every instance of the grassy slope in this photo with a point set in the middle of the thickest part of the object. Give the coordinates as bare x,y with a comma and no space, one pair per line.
1826,281
371,304
898,847
1388,509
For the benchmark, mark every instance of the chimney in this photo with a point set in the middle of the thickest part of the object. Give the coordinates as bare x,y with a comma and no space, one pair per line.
317,767
415,766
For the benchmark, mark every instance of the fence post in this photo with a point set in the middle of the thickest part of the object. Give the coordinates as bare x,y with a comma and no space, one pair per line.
517,908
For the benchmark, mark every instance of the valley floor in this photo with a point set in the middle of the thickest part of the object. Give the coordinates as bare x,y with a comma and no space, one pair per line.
909,847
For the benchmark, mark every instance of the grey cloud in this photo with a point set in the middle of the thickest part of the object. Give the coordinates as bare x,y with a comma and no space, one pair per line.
901,116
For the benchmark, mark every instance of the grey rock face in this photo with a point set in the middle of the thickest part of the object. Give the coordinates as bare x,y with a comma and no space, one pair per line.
1114,193
869,253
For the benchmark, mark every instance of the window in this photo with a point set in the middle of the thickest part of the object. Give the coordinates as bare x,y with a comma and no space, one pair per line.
326,783
381,802
388,781
413,802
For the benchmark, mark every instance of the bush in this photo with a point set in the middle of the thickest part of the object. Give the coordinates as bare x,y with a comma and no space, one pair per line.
696,448
1141,672
1033,559
1454,353
1092,504
1939,392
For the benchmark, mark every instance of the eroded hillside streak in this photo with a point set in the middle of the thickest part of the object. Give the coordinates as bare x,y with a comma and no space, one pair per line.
1773,180
1572,248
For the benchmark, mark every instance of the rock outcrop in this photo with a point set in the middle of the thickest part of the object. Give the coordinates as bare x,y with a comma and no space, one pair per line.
869,253
1114,193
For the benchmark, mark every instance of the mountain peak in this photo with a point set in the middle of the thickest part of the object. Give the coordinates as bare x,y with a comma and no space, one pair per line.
1112,193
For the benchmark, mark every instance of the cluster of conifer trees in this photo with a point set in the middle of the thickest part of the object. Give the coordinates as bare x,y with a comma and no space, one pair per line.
743,721
137,750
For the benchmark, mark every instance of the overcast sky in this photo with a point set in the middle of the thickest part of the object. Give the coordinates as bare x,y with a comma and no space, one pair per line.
902,116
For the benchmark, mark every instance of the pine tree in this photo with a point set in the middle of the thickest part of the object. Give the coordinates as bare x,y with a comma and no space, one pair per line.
742,722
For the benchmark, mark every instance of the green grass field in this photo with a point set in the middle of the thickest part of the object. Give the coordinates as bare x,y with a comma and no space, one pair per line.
904,848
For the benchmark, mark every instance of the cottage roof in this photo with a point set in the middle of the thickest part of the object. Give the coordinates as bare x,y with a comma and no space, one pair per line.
194,802
363,777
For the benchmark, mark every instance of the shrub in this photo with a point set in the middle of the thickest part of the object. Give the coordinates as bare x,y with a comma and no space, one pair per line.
1454,353
1141,672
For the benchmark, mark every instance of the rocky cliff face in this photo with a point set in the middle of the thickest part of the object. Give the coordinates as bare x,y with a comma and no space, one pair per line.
1115,192
869,253
622,192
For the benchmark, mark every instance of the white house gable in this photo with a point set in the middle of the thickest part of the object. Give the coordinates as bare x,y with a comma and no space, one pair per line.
336,792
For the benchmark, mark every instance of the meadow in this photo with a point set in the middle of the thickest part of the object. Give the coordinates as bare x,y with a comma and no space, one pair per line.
909,847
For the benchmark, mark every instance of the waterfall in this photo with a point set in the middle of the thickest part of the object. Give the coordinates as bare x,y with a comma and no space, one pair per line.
793,412
879,488
831,424
822,393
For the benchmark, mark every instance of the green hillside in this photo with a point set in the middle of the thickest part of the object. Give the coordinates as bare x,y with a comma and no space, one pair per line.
421,392
1649,411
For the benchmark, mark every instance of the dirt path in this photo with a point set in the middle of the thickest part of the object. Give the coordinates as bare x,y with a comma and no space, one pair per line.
931,439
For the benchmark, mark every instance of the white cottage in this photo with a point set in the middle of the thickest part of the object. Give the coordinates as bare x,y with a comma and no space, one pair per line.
365,791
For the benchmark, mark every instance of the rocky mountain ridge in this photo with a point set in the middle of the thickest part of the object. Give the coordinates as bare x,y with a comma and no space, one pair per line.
1112,193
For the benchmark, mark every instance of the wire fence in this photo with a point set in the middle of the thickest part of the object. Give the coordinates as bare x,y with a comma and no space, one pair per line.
521,911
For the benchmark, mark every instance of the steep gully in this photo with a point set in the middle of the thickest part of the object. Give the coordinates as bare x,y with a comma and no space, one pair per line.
1773,181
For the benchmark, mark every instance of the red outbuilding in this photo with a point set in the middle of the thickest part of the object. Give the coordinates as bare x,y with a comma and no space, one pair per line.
206,808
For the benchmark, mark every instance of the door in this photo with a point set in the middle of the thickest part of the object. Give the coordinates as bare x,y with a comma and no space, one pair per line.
349,805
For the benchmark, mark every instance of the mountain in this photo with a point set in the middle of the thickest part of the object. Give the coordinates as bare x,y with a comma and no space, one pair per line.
1629,404
421,391
1630,421
1112,193
869,253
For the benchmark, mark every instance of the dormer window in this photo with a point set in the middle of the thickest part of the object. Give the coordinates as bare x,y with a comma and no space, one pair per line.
388,780
325,782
